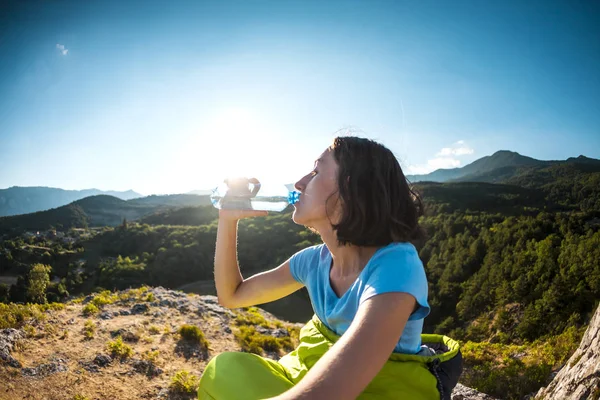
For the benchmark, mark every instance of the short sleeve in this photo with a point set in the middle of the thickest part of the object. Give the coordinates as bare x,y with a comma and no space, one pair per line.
398,270
301,262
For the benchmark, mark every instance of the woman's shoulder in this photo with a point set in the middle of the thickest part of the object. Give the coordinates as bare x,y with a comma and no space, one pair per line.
398,249
314,251
400,254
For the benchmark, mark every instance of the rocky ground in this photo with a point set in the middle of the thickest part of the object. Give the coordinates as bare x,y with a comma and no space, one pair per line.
68,355
54,359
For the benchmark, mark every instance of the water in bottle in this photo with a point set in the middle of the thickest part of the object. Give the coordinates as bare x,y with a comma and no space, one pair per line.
250,194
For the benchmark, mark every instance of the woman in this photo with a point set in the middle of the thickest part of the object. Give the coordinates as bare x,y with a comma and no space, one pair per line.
366,283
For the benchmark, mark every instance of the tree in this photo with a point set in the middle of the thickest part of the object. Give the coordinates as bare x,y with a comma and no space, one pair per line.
38,280
4,293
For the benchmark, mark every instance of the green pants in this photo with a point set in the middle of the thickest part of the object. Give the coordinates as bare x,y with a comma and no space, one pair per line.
245,376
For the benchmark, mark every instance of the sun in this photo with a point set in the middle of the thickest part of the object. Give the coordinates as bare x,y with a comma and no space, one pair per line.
235,142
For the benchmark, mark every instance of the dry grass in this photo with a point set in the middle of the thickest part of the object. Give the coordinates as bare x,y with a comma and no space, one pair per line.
64,337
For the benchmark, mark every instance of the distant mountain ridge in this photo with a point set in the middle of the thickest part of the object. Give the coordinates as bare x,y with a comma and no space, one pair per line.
499,167
527,184
17,200
99,210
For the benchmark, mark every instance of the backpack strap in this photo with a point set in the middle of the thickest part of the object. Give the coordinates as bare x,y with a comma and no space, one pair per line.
446,374
433,368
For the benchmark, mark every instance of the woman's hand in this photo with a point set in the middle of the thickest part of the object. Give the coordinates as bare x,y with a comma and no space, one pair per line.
235,215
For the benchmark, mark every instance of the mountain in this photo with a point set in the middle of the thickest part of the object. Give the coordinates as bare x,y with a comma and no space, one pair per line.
498,167
173,200
24,200
100,210
201,192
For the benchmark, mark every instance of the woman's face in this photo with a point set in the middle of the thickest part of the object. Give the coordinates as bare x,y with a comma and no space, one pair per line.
316,187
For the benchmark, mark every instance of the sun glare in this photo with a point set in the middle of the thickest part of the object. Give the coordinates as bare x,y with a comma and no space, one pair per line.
244,144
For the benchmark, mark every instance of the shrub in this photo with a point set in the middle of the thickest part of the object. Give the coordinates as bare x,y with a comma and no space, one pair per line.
138,294
30,331
151,356
194,334
50,329
254,342
252,317
184,382
154,330
89,328
513,371
146,339
119,349
16,315
90,309
103,298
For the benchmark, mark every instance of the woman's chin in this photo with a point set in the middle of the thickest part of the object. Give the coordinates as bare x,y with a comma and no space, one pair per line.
297,217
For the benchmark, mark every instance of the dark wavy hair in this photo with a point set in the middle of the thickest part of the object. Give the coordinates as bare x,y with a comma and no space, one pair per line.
377,203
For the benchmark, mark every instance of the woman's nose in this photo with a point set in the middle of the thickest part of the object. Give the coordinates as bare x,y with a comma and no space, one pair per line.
300,185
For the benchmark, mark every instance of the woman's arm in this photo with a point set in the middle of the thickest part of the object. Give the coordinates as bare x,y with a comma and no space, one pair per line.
233,291
356,358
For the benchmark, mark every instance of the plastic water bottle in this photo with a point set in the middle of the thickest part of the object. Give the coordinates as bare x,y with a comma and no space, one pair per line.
249,194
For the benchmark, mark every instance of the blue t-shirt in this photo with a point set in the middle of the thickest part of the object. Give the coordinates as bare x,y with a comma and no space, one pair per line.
393,268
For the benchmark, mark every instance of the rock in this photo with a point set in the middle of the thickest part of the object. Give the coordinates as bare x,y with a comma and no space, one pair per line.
279,333
102,360
210,299
146,367
166,303
105,315
87,299
8,338
139,309
89,366
126,335
263,330
197,304
580,377
163,394
461,392
44,370
124,312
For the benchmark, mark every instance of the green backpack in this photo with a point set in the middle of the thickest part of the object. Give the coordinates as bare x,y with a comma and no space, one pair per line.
245,376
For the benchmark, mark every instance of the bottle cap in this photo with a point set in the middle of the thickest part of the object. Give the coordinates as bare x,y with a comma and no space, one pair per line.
293,197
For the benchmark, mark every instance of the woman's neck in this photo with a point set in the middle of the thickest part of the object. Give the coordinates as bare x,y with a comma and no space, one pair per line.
348,260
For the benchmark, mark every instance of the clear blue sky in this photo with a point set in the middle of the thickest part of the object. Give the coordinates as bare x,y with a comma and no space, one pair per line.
171,96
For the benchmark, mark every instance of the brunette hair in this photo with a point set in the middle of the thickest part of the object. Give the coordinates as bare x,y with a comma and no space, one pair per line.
378,206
